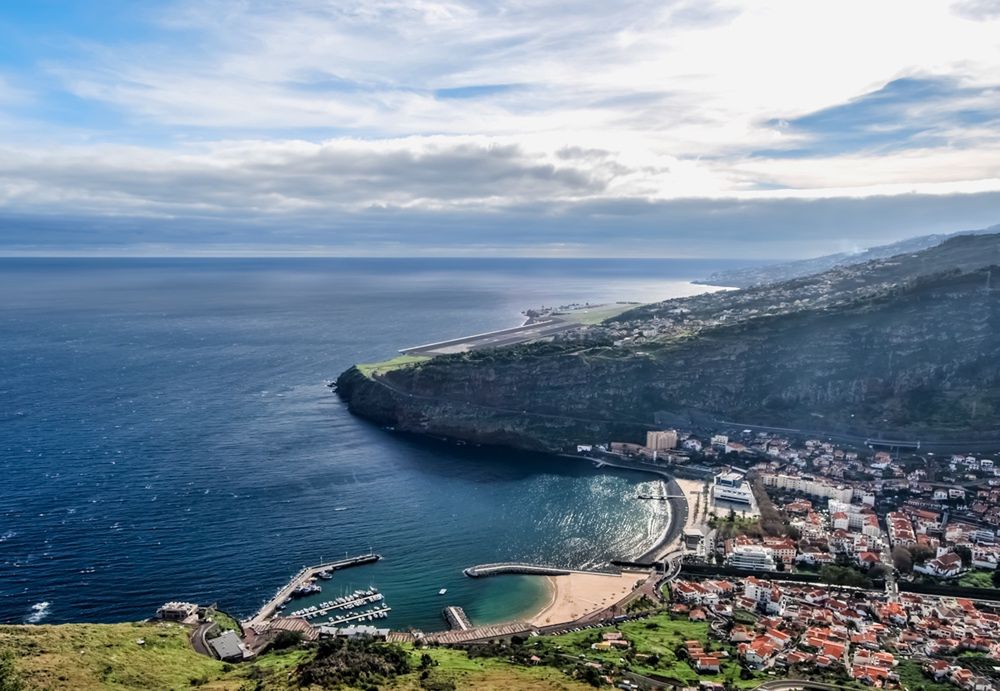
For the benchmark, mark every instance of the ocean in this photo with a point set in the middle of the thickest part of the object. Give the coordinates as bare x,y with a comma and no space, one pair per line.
166,434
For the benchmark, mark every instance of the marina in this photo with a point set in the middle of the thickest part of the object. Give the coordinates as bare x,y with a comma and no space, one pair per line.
304,579
370,615
353,601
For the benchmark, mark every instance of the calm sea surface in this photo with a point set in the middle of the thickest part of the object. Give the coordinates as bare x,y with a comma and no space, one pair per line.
165,433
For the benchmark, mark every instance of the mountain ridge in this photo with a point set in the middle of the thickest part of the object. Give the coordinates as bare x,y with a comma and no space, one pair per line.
783,271
908,343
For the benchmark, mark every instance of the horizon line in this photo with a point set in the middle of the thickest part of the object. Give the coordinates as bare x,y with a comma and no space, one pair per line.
377,256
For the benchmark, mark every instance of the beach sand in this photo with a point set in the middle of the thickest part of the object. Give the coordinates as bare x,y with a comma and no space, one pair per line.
577,594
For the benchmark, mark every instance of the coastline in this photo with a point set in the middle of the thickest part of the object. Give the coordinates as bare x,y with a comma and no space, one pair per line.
679,507
577,594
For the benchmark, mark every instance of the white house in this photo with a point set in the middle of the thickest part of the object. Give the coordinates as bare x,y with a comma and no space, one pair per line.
945,566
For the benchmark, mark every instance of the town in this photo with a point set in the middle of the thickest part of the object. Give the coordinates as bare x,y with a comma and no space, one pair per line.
835,561
823,565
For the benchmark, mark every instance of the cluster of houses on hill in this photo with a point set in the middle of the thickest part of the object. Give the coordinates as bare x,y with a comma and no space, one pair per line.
860,633
867,502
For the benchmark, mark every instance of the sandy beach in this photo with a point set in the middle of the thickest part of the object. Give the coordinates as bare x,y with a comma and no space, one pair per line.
577,594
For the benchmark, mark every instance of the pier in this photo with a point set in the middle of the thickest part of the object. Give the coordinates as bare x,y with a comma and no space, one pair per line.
456,618
269,608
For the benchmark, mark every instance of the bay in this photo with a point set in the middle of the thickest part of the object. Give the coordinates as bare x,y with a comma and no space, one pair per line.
166,434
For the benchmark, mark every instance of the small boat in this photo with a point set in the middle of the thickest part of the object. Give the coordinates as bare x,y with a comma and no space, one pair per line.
325,575
442,591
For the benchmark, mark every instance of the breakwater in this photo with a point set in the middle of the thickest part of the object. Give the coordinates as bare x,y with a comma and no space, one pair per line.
457,619
484,570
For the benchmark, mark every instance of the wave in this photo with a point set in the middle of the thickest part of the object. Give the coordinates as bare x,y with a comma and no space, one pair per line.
39,611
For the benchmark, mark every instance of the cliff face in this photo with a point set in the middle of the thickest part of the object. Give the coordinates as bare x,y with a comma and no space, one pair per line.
919,357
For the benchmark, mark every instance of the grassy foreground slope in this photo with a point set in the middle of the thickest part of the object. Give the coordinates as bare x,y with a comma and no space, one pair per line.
109,656
86,657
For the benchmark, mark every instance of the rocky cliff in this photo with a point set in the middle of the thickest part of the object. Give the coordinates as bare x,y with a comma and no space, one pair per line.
909,344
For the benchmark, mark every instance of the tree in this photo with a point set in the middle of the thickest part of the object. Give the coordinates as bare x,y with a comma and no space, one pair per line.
921,553
592,677
839,575
965,553
287,639
902,559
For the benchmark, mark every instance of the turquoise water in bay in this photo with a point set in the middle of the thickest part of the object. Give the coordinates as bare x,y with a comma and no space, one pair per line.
166,433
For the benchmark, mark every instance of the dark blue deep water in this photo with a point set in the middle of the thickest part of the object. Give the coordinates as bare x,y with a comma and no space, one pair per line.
165,433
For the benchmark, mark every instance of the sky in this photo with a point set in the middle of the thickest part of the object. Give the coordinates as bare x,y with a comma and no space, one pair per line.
675,128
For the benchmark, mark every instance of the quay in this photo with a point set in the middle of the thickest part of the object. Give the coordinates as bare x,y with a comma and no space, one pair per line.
269,608
457,619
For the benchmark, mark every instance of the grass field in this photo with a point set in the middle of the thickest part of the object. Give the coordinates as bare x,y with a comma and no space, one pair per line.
374,368
912,678
109,656
660,636
91,657
976,579
484,674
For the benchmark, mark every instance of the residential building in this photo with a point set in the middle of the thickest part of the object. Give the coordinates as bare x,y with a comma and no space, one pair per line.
662,440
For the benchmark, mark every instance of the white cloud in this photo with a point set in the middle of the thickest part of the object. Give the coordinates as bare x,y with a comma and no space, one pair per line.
252,107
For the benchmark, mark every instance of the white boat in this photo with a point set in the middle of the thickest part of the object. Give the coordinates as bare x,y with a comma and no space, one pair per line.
442,591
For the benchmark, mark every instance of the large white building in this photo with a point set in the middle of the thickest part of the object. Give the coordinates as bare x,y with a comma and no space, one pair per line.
814,487
732,487
752,557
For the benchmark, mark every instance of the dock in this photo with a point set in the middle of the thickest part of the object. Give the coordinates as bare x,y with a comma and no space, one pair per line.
456,618
269,608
